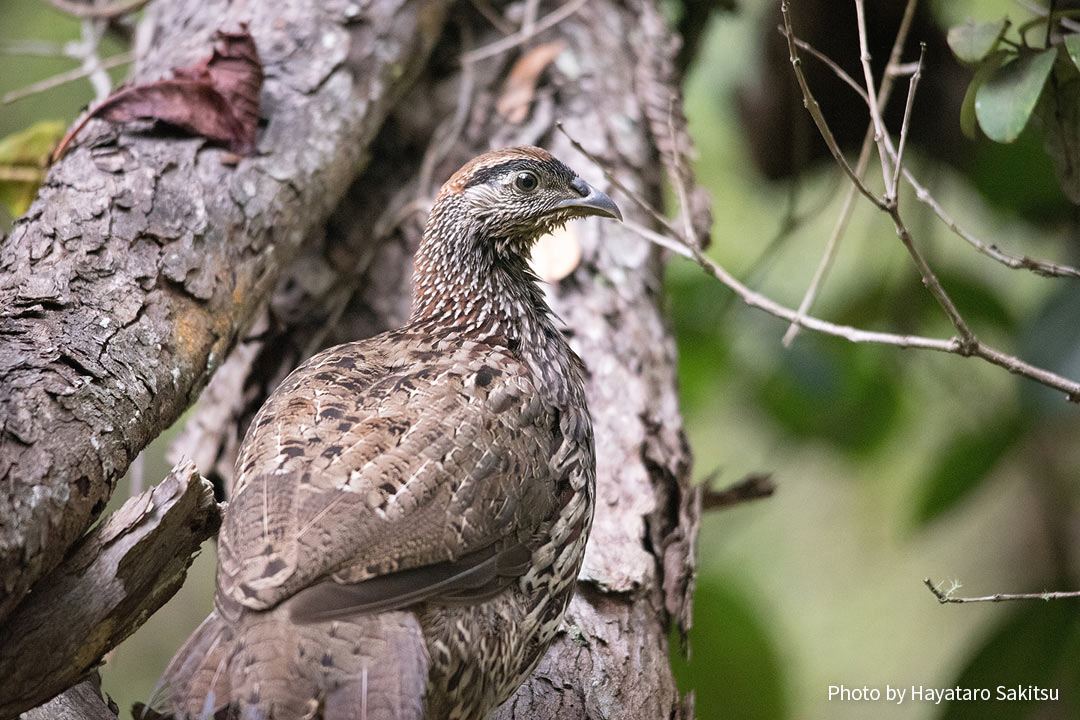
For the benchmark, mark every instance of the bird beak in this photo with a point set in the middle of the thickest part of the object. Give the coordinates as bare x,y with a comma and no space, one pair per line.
591,202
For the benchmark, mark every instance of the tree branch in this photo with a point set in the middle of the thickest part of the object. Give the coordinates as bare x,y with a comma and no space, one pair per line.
842,220
946,596
130,278
83,701
119,574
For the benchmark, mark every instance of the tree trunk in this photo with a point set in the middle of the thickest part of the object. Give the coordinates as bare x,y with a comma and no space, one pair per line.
145,260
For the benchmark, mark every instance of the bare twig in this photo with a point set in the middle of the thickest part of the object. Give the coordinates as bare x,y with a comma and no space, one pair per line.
447,134
92,30
66,77
840,227
1045,268
902,69
898,162
946,596
814,109
957,346
36,48
875,109
528,17
1066,23
890,206
511,41
752,487
87,10
638,200
1022,262
492,16
832,65
677,176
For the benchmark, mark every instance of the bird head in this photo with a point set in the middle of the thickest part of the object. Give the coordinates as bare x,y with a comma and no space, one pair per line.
511,197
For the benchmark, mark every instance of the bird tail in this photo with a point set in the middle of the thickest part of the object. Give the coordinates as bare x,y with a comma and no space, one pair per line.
265,666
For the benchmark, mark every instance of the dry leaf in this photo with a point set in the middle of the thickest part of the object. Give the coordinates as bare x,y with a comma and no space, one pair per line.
218,98
520,86
556,255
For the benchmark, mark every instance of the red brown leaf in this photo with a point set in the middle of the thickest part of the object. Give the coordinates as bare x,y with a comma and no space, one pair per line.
217,98
520,87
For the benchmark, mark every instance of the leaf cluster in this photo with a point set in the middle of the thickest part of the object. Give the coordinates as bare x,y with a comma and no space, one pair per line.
1016,80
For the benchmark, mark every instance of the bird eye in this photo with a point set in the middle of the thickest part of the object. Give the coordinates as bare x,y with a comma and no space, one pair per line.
526,182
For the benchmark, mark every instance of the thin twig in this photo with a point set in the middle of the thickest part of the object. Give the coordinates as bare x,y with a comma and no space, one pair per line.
1066,23
528,17
829,255
890,206
92,31
947,596
446,135
677,176
66,77
498,21
840,227
898,163
815,112
1045,268
35,48
902,69
638,200
832,65
875,109
956,346
511,41
86,10
930,279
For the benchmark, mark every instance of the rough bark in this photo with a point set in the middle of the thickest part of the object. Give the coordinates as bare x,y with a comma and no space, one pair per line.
613,88
126,284
118,575
83,701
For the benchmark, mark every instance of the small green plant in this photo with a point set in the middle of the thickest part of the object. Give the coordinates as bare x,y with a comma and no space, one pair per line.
1015,80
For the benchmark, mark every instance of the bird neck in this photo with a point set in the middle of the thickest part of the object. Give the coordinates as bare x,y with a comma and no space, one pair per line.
480,289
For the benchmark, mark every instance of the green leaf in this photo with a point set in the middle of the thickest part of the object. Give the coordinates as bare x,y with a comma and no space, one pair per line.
847,396
23,158
965,463
31,147
982,73
735,669
1058,117
1072,46
1006,100
973,41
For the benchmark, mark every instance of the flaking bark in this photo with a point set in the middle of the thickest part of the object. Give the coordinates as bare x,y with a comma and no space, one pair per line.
130,278
117,576
82,701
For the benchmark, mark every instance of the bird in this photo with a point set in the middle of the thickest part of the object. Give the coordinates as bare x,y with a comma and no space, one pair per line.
410,511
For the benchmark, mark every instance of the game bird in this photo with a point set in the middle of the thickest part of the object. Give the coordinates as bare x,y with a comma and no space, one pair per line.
410,511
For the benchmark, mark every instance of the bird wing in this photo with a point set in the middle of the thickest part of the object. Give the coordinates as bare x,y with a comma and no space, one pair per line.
392,456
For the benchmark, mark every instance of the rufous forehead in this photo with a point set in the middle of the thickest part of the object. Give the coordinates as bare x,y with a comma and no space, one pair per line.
460,179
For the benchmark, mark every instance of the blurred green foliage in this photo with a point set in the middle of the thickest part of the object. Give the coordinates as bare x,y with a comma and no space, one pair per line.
745,678
892,465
